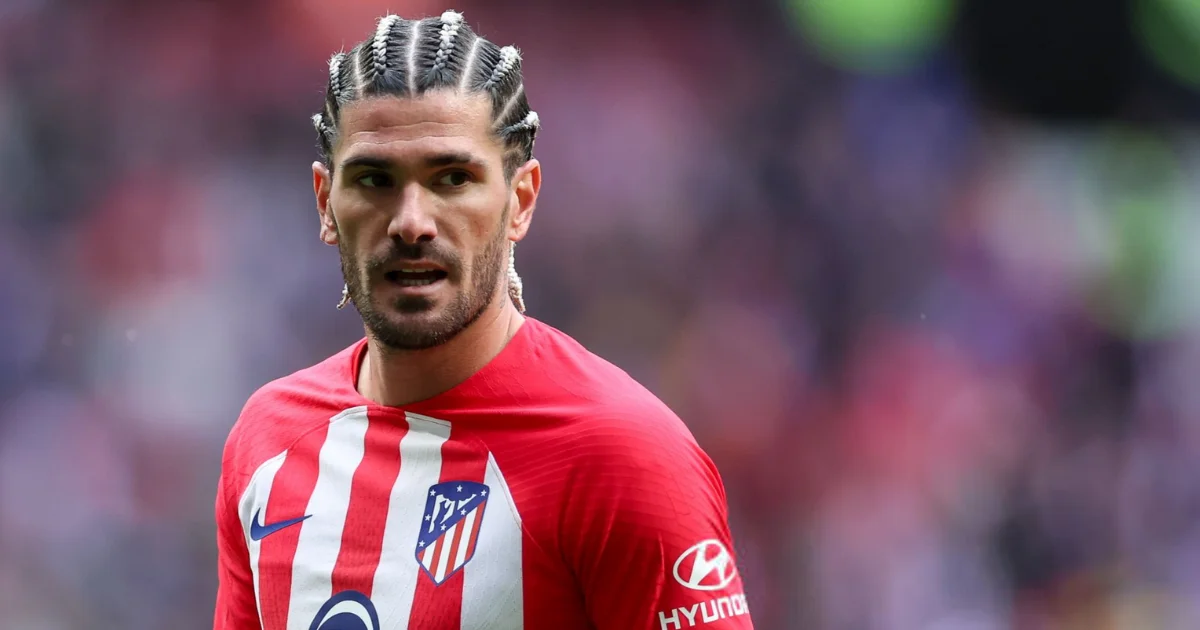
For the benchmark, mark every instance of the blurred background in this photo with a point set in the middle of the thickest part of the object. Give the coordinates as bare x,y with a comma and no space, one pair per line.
919,275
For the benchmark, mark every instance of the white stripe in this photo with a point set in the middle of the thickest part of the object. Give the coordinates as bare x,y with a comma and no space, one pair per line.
254,499
359,82
464,82
512,100
427,557
415,39
443,563
495,570
465,544
395,581
321,536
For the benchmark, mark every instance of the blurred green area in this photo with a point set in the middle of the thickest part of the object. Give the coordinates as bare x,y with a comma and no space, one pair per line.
873,36
1169,30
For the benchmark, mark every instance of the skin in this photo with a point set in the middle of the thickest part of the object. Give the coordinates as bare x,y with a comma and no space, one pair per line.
421,180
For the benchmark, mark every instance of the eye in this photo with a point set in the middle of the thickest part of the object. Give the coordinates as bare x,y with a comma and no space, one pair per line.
454,179
374,180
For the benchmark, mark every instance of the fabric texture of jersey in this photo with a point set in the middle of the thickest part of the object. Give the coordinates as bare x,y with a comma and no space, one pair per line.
547,491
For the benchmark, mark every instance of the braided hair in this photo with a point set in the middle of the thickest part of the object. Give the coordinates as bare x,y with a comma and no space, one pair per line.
409,57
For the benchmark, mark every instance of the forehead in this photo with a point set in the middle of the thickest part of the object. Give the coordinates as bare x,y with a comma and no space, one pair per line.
438,120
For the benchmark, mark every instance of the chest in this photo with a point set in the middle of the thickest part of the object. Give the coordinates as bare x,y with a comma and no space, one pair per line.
384,524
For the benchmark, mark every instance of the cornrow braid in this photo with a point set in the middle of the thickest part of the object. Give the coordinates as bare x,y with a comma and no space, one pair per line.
451,20
529,124
406,58
509,57
383,30
322,122
335,77
516,124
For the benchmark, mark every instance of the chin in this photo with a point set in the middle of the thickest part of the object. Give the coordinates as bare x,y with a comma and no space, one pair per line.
413,335
420,321
410,307
415,326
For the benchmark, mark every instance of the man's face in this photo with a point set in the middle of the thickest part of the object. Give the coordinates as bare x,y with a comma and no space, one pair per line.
422,214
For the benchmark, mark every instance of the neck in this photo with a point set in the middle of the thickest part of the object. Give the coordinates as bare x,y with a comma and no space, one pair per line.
401,377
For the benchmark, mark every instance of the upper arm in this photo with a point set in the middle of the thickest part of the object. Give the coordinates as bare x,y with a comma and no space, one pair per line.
236,607
653,546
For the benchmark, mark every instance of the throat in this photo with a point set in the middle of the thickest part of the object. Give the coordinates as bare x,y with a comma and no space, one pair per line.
396,378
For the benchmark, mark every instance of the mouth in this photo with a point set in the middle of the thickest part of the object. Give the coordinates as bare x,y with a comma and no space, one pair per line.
415,277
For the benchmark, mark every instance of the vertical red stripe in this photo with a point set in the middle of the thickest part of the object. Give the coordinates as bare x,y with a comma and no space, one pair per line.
370,491
475,532
440,606
452,557
435,561
290,492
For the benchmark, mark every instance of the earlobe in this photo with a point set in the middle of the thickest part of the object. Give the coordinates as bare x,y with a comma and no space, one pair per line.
329,228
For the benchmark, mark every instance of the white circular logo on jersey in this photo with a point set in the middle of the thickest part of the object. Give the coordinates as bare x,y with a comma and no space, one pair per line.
705,566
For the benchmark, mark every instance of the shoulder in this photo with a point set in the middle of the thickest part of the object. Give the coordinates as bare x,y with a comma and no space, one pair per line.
613,416
571,371
620,437
639,462
280,412
639,433
637,491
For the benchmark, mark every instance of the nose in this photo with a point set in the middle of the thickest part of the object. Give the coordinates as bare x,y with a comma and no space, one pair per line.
413,221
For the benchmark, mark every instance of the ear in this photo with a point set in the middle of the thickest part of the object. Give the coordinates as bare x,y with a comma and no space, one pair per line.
527,183
322,185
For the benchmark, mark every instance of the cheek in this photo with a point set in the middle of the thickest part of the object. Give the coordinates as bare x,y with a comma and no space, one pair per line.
474,223
355,222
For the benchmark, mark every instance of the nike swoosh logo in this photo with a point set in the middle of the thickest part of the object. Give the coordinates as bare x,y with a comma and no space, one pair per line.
259,532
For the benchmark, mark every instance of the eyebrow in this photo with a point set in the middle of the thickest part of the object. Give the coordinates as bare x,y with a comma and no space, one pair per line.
432,161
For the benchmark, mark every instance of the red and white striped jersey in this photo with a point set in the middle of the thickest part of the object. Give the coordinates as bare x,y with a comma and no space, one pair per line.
548,491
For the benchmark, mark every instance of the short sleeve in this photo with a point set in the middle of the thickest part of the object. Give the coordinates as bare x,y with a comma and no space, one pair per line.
647,532
236,608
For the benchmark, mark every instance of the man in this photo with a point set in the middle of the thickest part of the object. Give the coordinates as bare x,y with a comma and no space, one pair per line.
463,466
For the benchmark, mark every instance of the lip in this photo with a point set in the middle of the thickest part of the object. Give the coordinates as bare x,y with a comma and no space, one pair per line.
417,290
417,265
414,291
393,279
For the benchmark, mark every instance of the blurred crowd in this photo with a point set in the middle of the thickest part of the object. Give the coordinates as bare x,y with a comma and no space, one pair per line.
944,357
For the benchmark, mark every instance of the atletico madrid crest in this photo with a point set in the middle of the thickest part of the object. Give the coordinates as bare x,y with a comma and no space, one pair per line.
450,527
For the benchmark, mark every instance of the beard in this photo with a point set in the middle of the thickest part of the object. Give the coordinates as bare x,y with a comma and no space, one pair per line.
416,323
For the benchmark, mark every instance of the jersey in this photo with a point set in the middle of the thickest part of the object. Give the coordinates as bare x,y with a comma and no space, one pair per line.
548,490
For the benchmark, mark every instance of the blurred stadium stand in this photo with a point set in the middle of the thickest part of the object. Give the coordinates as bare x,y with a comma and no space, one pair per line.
919,274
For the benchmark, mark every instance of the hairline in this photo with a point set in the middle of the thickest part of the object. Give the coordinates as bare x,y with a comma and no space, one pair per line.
494,128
